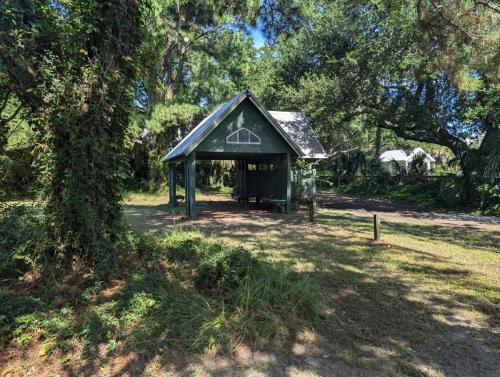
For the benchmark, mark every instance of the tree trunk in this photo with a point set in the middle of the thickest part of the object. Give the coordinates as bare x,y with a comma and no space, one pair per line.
83,105
378,143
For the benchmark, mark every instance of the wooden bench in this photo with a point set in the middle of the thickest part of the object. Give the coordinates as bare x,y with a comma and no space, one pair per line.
279,204
245,198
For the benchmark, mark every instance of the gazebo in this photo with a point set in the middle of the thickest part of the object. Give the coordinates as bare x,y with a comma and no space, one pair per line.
263,143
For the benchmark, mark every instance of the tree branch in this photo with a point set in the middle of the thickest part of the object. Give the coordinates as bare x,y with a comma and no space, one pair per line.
13,115
438,136
486,4
5,101
447,19
14,129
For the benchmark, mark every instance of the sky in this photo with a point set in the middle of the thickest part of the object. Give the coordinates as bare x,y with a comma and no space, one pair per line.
258,36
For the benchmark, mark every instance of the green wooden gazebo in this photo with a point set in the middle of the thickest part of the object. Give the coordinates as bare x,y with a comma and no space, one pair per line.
263,144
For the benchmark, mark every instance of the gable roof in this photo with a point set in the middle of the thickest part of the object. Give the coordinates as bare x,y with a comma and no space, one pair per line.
203,129
419,152
400,155
397,154
297,126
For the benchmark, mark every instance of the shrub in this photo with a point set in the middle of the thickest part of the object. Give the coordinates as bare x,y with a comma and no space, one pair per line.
22,230
222,269
180,290
489,198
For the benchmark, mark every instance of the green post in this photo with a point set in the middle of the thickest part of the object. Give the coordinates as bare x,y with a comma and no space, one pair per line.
190,180
288,166
172,194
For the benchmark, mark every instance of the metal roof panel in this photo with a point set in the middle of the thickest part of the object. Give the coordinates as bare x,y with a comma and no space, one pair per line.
297,126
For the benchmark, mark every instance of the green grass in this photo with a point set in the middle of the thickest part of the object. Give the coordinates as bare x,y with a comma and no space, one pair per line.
179,293
410,296
424,301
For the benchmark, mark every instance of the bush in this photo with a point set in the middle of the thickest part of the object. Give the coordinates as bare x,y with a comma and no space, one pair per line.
16,174
22,230
489,198
180,290
222,269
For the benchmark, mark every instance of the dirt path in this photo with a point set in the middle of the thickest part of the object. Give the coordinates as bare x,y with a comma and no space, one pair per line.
221,211
363,206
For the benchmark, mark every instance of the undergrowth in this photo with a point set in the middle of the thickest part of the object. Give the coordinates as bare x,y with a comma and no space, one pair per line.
180,291
439,193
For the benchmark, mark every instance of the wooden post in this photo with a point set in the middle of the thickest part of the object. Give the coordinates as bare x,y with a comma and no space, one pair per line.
376,228
311,210
288,178
172,185
186,187
190,182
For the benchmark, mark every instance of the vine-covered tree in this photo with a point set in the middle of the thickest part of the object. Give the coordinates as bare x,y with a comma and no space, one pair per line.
73,66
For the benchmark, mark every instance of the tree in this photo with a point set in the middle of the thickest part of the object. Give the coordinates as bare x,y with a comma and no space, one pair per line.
185,33
196,55
415,68
71,64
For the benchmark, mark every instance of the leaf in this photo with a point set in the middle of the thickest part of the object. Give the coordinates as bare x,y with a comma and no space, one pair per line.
46,348
64,359
111,345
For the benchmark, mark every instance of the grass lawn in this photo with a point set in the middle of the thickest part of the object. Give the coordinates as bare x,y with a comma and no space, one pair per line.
422,301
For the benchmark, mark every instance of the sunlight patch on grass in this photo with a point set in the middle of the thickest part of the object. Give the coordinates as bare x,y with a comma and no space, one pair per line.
406,298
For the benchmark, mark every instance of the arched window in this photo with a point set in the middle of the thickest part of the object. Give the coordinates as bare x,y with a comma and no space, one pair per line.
242,136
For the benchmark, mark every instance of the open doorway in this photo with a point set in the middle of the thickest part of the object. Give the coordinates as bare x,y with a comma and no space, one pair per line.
250,183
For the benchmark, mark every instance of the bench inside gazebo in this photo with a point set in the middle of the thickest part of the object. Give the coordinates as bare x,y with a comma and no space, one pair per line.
263,145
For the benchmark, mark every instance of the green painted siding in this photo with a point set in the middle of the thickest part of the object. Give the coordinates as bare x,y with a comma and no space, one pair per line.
245,116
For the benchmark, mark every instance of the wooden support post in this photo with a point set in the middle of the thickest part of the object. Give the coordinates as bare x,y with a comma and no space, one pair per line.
311,210
376,228
288,172
190,183
186,187
172,192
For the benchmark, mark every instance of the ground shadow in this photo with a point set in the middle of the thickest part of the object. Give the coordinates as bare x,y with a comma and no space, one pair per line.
379,318
350,202
372,323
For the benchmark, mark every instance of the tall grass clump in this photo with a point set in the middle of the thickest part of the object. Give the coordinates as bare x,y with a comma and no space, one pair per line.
257,300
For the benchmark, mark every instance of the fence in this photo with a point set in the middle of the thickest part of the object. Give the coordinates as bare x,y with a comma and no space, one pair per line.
328,179
303,185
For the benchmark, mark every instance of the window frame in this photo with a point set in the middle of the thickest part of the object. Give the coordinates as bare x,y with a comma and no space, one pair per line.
250,133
